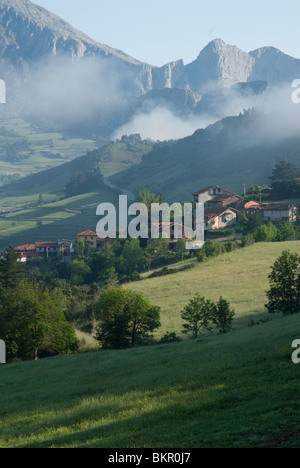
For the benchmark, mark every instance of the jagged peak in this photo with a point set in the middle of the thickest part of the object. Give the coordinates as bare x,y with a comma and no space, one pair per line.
44,19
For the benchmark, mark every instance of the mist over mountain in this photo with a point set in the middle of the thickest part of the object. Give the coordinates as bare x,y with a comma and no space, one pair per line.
63,79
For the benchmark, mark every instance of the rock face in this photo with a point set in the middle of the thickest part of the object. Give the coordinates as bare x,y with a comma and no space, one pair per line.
219,64
29,33
52,69
274,66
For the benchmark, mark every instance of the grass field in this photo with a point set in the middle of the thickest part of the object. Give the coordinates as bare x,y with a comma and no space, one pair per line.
241,277
237,390
26,149
61,219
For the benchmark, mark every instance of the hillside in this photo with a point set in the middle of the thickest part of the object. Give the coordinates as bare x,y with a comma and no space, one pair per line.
230,153
63,215
241,277
240,390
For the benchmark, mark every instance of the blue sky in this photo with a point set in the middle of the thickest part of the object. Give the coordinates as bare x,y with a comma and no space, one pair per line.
159,31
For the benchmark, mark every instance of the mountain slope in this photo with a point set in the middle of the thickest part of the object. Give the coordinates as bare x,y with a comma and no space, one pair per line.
233,391
234,151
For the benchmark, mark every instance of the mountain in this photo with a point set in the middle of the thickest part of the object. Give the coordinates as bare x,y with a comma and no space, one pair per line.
31,37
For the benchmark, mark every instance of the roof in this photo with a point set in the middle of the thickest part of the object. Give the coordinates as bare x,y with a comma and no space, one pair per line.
225,197
26,248
87,233
46,244
211,213
213,187
276,207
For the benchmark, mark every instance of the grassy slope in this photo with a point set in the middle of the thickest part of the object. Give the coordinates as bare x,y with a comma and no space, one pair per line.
240,390
241,277
61,220
63,217
31,158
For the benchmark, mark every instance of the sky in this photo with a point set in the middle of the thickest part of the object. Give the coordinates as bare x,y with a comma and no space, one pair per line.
160,31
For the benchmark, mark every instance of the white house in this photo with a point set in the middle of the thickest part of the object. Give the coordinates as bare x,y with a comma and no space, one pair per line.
277,212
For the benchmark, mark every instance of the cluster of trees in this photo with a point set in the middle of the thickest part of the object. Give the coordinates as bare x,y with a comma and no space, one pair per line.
83,182
202,314
121,260
32,322
126,319
270,233
285,181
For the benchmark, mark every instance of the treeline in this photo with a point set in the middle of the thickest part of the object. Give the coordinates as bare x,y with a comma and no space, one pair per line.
84,182
32,323
120,261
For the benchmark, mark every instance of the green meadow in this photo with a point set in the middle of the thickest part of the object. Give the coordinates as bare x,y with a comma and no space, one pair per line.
61,219
240,276
234,391
26,149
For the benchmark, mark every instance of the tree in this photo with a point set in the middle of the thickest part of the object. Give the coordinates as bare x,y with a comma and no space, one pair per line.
156,251
126,319
286,232
222,315
284,171
266,233
133,256
284,293
32,324
41,200
197,315
12,271
80,272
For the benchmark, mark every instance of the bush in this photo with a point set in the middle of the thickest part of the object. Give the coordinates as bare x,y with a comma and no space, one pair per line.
170,337
248,240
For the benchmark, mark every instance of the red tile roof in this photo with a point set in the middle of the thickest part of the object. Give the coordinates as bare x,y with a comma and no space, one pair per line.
46,244
26,248
87,233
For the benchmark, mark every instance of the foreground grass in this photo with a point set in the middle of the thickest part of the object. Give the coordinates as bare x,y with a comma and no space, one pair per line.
241,277
238,390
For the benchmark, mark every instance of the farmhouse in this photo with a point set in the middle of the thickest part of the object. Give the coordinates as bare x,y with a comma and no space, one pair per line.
27,251
45,249
92,239
219,218
212,192
276,212
89,238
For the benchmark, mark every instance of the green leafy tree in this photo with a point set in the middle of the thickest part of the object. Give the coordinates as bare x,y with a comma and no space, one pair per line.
287,232
197,315
133,257
223,315
284,293
284,171
80,272
156,251
266,233
32,323
125,319
12,271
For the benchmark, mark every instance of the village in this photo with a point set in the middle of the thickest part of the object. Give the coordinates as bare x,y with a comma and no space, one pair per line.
222,209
